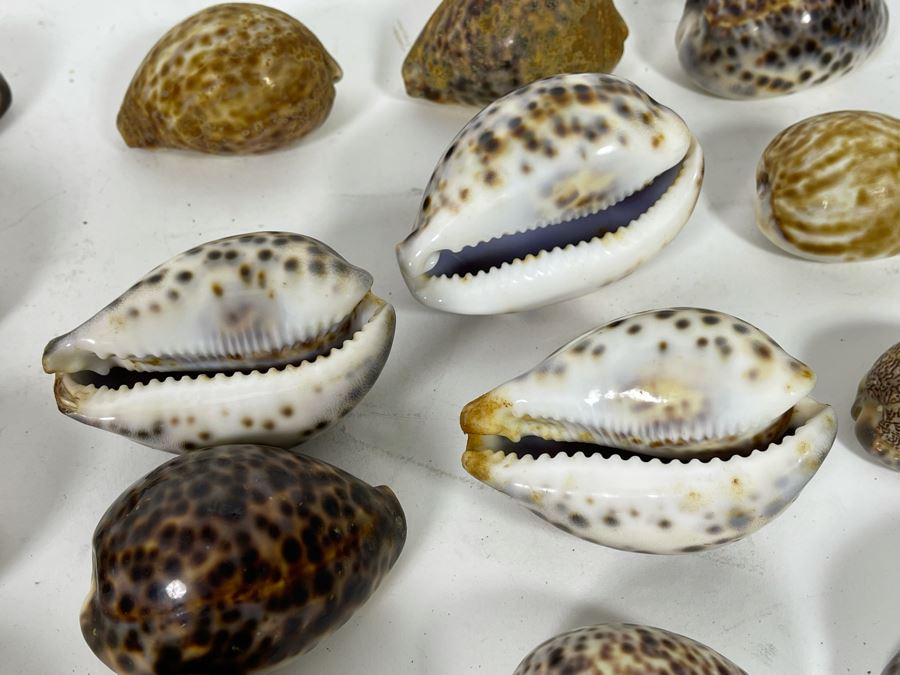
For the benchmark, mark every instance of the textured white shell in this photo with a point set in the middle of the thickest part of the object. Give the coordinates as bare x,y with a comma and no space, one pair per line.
246,295
663,382
557,149
655,506
245,304
620,649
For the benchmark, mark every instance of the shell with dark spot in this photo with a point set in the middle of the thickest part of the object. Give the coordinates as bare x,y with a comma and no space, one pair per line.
760,48
475,51
211,346
233,78
615,649
674,450
877,409
558,188
233,559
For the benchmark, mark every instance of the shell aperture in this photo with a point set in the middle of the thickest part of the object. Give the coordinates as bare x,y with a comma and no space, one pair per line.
667,431
265,337
553,191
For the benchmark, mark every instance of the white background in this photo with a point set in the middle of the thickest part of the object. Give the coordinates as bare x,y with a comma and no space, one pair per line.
481,581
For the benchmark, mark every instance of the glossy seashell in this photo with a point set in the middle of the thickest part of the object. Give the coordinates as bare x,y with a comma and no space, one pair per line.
234,559
666,431
876,410
557,189
893,668
5,96
475,51
617,649
266,337
233,78
761,48
827,187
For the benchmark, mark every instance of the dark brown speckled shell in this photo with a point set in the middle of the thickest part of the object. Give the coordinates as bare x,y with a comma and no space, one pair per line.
5,96
760,48
233,559
233,78
475,51
624,649
877,409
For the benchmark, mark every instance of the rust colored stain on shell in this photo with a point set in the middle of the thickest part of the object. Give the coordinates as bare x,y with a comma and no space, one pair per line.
233,78
481,416
876,410
475,51
828,187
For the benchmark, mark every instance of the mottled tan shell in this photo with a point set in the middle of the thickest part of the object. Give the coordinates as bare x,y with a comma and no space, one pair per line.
475,51
233,78
877,409
624,649
828,188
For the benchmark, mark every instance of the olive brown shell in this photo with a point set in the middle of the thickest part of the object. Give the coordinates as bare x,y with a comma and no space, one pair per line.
233,559
233,78
828,187
475,51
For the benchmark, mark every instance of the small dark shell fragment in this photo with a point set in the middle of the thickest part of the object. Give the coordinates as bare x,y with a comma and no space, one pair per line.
877,409
232,559
760,48
475,51
617,649
233,78
5,96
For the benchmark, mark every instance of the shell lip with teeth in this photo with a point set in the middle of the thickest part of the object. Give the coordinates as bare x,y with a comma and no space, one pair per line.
667,471
571,173
266,337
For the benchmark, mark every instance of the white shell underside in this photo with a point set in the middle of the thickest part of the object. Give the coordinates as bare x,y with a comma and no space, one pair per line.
562,274
657,506
551,153
280,407
669,382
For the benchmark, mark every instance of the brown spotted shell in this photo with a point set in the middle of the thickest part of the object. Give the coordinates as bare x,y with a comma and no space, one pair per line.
761,48
233,78
877,409
232,559
828,188
475,51
624,649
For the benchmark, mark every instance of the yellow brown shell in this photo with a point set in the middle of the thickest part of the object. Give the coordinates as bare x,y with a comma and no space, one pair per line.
827,187
233,78
475,51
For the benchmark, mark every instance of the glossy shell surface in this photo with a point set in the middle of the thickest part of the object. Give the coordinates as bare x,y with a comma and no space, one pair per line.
233,78
621,649
893,668
230,560
266,337
877,409
761,48
475,51
553,191
828,188
5,96
666,432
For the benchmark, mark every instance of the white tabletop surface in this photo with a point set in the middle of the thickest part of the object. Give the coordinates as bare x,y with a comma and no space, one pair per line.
481,581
